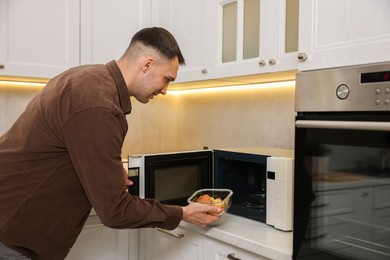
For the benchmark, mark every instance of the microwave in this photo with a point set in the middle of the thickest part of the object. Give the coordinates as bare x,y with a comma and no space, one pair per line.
261,179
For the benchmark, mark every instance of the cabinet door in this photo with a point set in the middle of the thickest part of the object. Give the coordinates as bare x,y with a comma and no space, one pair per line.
189,22
242,31
38,38
217,250
256,36
178,244
283,39
107,27
101,243
337,33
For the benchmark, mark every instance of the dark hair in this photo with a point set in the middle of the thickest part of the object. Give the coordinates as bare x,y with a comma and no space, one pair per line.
161,40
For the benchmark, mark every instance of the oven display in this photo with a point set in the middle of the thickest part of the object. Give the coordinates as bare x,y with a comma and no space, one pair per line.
374,77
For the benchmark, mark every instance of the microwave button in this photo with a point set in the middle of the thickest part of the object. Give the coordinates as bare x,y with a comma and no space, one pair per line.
270,175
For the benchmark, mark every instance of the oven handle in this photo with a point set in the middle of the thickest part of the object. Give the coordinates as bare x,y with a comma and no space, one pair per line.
348,125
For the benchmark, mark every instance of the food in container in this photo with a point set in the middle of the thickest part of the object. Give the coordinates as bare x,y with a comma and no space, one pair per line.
216,197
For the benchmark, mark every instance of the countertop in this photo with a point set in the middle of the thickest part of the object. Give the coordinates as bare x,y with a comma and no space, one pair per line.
253,236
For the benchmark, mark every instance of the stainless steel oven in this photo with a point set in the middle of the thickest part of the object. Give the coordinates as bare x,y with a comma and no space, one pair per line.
342,163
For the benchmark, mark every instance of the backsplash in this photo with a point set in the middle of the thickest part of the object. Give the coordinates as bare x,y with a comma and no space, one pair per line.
258,117
13,101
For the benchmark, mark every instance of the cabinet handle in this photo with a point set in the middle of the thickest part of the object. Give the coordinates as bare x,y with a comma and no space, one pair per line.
1,66
302,56
262,63
171,233
204,71
272,62
93,226
232,256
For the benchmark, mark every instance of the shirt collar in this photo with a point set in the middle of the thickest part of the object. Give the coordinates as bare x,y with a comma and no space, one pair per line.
121,86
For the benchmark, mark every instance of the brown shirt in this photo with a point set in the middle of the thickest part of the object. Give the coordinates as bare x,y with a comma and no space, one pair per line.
62,156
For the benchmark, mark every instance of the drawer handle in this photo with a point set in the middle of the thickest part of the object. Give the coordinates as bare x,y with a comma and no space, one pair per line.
171,233
204,71
1,66
232,256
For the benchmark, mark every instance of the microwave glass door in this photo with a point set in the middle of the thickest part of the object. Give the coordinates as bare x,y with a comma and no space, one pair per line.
185,179
172,178
342,191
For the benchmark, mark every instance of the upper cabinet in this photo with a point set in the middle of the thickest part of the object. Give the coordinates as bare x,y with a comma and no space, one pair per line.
219,38
38,38
37,43
190,23
107,27
228,38
335,33
255,36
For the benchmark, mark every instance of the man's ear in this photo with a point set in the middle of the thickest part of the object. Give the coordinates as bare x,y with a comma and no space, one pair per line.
147,64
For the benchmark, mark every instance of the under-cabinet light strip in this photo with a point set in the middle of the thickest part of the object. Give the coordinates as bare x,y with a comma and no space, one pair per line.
7,83
281,84
290,83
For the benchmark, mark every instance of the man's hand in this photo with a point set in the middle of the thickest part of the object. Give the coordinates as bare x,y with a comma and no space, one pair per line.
201,214
127,181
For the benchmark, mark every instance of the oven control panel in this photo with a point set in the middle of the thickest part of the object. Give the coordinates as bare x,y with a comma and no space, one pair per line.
357,88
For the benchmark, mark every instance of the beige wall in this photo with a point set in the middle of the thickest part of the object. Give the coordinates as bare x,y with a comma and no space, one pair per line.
13,101
152,126
263,117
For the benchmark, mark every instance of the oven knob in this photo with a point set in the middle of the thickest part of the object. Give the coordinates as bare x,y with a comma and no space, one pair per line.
387,90
342,91
377,101
386,101
377,91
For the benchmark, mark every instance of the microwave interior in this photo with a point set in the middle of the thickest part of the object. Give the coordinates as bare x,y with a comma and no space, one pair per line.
172,178
245,175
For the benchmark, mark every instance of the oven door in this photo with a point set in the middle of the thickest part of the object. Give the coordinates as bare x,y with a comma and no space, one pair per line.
342,187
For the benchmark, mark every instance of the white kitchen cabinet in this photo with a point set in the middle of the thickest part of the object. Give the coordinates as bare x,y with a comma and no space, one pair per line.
217,250
38,38
335,33
254,36
177,244
67,33
101,243
107,27
189,22
226,38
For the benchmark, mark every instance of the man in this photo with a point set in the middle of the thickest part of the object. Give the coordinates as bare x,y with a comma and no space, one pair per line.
62,156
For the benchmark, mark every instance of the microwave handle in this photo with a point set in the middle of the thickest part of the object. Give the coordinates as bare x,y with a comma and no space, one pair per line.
347,125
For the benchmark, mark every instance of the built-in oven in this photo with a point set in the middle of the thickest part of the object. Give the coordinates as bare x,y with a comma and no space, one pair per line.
342,164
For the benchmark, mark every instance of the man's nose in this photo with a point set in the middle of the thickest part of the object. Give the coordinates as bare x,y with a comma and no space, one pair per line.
164,90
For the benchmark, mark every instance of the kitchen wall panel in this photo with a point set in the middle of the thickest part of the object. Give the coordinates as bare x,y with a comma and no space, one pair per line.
13,102
152,126
262,117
